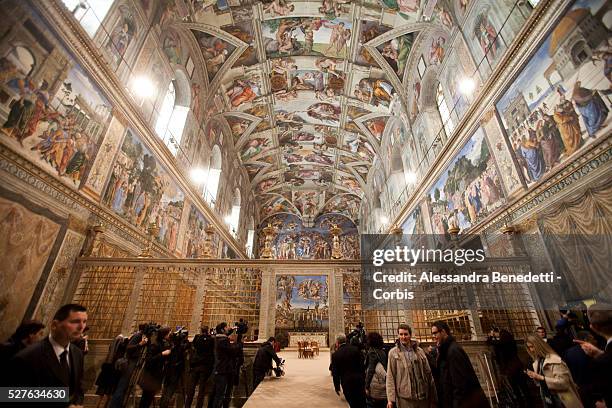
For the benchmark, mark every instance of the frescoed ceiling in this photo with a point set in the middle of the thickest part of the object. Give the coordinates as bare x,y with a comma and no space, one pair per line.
308,87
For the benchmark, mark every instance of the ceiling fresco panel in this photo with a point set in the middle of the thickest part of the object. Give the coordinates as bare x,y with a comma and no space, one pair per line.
307,89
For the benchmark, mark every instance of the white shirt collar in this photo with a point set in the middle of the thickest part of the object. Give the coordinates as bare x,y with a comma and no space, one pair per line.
59,349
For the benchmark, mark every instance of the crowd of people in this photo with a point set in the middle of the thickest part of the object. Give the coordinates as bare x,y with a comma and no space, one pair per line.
572,369
155,358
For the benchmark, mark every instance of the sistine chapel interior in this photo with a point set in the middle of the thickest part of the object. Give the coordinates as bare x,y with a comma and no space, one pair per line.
191,162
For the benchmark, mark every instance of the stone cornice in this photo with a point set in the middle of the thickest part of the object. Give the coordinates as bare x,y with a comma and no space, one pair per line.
75,38
592,164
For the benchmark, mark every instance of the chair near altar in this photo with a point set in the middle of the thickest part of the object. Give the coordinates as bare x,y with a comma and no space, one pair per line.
307,349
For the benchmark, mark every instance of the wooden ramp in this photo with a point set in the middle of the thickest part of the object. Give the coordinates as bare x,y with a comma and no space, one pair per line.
306,383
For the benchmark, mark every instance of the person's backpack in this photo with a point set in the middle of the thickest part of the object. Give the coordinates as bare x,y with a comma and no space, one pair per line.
378,386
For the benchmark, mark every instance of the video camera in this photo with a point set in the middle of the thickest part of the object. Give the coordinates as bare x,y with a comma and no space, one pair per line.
150,329
180,336
241,327
357,337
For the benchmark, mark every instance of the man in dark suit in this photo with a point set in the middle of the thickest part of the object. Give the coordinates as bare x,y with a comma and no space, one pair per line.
348,370
459,386
263,361
227,351
600,316
54,362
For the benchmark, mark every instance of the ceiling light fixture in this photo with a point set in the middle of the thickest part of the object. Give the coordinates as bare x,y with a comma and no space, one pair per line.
467,86
143,87
198,176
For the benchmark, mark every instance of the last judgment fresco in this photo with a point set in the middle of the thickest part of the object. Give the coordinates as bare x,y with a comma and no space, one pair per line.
302,302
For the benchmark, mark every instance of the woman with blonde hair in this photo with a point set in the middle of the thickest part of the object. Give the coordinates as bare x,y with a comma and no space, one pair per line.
551,374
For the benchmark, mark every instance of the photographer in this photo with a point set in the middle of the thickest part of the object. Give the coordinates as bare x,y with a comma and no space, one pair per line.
201,365
227,351
157,353
514,389
127,364
175,367
263,361
357,337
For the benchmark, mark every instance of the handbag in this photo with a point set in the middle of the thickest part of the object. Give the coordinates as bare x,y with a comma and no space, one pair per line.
378,385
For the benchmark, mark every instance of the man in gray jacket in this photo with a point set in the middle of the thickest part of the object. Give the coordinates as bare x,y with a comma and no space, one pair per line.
410,383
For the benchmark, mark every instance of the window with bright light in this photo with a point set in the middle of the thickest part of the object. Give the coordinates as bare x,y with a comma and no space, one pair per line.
171,120
449,125
211,184
250,242
89,13
234,220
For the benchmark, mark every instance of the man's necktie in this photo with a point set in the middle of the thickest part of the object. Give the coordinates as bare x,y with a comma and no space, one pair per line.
64,364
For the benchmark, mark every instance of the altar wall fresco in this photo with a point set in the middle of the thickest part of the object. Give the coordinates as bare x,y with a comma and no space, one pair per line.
294,240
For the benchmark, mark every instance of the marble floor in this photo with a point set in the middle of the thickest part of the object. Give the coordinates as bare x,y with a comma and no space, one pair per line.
306,383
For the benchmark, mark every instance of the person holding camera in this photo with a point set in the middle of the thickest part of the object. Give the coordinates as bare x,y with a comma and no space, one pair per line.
151,377
357,337
514,389
175,366
263,361
201,365
127,364
227,350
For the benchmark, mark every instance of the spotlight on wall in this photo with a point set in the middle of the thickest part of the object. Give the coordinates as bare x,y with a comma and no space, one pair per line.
142,87
384,219
467,86
198,176
410,177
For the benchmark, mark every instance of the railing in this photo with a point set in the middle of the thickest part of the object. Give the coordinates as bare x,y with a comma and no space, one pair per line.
120,293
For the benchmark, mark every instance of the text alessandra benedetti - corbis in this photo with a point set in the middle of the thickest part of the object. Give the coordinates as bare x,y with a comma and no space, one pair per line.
413,279
473,277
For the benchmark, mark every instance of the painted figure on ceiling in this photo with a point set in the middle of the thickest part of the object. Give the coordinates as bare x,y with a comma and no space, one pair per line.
339,36
242,91
279,8
436,51
486,35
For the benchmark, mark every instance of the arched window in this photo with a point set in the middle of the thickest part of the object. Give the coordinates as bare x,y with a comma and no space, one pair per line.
89,13
214,174
449,125
250,237
172,118
234,217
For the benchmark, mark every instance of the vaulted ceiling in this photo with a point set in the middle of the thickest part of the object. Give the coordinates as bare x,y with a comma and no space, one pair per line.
307,88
